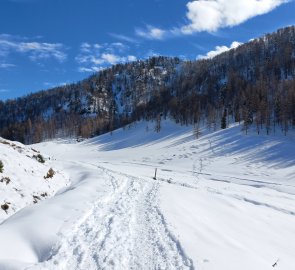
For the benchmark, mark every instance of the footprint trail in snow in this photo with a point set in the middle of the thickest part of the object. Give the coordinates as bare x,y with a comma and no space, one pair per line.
124,230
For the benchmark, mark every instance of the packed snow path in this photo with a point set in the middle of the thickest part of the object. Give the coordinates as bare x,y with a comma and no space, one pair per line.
123,230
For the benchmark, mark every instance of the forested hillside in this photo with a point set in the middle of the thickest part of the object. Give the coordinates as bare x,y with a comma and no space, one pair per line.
253,84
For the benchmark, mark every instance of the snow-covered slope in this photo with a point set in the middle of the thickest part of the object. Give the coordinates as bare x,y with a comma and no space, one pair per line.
223,201
24,178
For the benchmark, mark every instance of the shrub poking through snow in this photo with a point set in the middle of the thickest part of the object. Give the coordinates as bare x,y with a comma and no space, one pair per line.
44,194
40,158
5,180
5,207
1,166
36,198
5,142
50,174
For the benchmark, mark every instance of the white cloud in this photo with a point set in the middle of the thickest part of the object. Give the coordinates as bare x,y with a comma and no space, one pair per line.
52,85
115,47
43,50
131,58
219,50
4,90
34,50
90,69
85,59
85,47
97,46
6,65
118,44
110,58
94,57
151,33
96,61
124,38
210,15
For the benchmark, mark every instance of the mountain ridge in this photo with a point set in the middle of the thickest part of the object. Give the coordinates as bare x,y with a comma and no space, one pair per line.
252,83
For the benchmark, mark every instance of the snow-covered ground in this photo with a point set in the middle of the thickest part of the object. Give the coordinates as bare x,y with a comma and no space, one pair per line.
223,201
22,182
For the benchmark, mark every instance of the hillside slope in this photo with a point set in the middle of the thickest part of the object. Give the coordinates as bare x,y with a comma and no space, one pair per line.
23,181
253,83
223,201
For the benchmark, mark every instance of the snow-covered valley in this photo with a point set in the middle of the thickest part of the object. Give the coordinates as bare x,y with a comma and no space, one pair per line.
223,201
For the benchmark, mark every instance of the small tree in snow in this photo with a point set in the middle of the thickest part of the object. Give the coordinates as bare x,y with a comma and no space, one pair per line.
1,167
197,131
223,120
50,174
158,123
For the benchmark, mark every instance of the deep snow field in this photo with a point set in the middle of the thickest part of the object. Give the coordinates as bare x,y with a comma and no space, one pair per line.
225,201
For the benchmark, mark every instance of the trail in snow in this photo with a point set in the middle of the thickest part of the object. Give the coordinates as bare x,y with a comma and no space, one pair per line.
124,230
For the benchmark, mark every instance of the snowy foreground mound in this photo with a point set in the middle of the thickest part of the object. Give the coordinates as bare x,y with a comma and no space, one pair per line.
25,179
223,201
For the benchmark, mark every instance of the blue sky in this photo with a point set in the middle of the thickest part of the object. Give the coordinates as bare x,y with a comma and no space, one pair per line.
44,43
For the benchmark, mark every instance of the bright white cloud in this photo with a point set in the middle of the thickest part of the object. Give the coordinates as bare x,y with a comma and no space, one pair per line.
110,58
97,46
219,50
151,33
43,50
85,47
90,69
210,15
34,50
131,58
94,57
96,61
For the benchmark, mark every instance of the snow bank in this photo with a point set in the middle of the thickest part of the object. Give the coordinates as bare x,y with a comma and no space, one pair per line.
25,178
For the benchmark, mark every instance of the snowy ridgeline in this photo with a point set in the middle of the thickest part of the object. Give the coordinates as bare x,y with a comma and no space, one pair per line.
26,177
